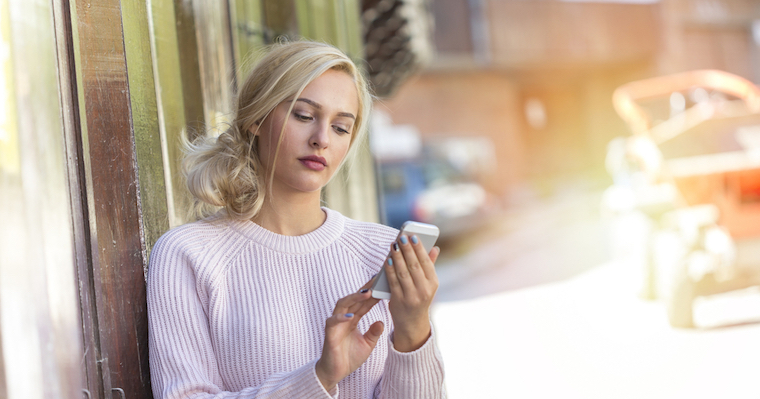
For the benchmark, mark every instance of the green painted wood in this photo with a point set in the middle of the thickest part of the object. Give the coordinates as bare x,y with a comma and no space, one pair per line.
248,35
354,46
215,57
171,75
334,21
317,20
144,113
280,19
183,19
340,27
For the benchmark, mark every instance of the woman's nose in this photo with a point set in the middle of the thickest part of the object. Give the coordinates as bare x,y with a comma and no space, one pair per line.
320,137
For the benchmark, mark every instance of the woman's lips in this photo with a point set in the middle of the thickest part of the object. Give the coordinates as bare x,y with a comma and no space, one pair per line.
314,162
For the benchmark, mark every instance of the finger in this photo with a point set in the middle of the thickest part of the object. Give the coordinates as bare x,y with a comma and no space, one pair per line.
400,258
414,253
374,333
426,264
344,304
361,308
339,318
390,273
368,284
434,254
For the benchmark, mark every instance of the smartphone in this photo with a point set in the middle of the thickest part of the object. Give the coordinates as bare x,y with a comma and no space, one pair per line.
427,233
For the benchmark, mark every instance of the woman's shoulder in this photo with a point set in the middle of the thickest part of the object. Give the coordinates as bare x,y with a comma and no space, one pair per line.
190,238
371,230
368,236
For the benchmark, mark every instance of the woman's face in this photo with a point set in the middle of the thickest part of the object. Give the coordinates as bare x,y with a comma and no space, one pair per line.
317,134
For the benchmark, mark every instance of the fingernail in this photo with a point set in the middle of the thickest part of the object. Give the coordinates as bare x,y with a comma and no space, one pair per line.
390,261
349,315
415,240
364,291
395,247
404,240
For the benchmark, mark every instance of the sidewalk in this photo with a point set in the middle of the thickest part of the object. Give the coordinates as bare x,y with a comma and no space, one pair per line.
541,312
545,241
590,337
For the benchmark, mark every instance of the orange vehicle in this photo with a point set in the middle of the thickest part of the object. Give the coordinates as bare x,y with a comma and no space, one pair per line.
697,133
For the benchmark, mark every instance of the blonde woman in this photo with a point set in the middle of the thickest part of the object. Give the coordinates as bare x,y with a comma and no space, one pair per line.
268,297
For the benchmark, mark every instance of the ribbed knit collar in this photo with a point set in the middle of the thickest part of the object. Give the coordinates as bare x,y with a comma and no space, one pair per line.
313,241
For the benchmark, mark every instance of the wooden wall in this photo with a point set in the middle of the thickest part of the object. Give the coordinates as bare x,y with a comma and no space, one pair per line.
90,128
39,307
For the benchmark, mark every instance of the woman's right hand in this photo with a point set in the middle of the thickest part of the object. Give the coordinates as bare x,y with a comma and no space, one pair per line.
345,348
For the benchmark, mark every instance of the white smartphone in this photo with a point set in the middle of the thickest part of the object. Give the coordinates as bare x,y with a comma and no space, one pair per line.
427,233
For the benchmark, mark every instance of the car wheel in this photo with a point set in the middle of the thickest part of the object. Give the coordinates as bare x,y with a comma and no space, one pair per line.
680,299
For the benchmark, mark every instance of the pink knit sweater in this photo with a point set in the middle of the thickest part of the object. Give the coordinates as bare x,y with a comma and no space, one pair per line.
236,311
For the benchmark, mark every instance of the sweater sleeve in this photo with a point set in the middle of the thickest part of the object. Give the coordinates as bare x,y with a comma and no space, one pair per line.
416,374
183,362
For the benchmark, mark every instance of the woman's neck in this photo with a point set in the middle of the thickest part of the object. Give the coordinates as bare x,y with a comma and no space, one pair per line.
291,215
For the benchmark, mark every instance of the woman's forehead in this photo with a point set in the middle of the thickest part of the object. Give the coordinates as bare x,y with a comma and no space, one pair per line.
334,90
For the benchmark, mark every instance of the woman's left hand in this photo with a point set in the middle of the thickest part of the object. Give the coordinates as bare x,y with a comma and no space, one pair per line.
413,284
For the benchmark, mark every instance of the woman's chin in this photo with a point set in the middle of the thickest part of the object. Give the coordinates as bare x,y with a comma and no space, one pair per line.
310,187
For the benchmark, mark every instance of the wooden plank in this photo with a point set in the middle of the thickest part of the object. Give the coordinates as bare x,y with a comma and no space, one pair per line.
144,111
88,272
187,47
317,20
40,319
351,17
212,23
334,21
93,379
248,35
118,250
180,92
280,19
170,102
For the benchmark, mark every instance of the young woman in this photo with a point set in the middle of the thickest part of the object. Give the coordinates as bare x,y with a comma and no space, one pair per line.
269,296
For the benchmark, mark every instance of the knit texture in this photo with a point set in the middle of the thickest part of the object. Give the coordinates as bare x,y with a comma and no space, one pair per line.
237,311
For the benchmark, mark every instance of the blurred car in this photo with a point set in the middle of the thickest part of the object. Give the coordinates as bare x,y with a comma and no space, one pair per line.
432,191
692,169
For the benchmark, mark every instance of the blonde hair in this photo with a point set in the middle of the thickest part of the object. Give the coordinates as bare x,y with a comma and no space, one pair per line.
226,171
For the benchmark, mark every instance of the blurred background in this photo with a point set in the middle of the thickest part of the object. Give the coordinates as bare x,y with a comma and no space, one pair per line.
594,168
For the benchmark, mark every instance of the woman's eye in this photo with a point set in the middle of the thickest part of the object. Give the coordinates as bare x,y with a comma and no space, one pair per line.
303,117
340,130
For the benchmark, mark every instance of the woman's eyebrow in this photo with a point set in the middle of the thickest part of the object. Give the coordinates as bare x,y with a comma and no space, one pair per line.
319,106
